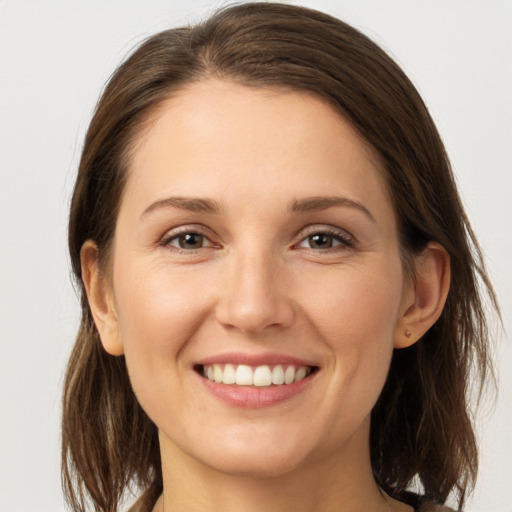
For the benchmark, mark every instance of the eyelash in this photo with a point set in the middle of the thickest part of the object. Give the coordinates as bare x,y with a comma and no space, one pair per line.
167,241
345,240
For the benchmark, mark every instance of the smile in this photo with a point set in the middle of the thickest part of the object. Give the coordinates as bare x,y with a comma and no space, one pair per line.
260,376
254,381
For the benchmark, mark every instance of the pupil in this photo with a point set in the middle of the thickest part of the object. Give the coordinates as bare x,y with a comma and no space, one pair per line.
191,241
320,241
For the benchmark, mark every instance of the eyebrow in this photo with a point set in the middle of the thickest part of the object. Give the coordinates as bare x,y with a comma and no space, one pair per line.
308,204
312,204
192,204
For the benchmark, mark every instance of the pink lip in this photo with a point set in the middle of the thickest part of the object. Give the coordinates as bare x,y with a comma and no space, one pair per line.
249,397
252,397
268,358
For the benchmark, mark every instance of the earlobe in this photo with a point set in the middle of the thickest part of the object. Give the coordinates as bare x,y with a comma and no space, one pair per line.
99,296
426,297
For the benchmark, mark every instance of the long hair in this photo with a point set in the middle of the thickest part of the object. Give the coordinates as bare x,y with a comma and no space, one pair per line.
421,426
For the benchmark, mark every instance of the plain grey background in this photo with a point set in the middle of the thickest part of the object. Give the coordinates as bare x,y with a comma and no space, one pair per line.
54,59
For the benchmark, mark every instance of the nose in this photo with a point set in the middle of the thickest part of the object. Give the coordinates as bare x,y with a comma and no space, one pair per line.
254,296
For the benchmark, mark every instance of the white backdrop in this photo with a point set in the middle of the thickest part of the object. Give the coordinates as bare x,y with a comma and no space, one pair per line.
54,59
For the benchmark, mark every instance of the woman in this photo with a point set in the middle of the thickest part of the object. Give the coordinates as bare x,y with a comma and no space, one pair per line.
280,288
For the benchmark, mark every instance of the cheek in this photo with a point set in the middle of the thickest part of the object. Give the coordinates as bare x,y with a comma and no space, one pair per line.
155,308
355,301
354,314
158,313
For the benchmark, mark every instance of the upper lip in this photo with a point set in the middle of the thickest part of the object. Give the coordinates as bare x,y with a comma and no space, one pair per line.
267,358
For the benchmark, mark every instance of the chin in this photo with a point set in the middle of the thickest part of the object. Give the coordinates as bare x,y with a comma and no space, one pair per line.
259,453
260,466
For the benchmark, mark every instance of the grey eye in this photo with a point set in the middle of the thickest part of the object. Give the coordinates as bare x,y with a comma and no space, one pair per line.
323,241
320,241
190,241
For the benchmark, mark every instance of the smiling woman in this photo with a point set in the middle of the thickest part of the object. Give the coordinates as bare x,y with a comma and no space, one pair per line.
280,298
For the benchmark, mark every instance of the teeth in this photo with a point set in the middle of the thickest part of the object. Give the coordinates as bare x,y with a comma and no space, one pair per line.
278,375
261,376
300,373
244,375
217,373
289,375
229,376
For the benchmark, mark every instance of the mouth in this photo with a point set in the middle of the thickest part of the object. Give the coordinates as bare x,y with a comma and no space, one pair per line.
262,376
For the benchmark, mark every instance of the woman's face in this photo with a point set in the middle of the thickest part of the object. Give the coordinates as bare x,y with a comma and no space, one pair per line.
256,243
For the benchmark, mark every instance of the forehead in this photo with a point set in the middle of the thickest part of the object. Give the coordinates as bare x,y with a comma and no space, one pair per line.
220,137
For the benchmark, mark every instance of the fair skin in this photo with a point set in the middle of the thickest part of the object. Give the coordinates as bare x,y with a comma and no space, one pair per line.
256,229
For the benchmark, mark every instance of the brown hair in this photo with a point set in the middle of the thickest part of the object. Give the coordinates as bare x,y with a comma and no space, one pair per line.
421,425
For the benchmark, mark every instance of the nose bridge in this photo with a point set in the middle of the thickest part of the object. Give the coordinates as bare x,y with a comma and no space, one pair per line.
254,296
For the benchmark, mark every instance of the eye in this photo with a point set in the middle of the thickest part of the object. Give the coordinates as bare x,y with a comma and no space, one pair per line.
188,241
324,240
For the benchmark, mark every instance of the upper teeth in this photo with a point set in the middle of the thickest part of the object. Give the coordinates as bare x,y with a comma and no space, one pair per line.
244,375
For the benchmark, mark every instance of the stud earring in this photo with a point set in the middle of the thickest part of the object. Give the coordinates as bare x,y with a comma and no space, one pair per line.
408,333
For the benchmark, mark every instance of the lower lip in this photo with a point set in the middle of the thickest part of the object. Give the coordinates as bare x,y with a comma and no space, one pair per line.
253,397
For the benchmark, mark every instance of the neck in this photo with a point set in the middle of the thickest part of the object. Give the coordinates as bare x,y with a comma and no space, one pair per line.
342,482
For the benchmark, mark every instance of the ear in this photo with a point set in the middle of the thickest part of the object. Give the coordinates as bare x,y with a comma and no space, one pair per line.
424,297
101,300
